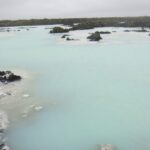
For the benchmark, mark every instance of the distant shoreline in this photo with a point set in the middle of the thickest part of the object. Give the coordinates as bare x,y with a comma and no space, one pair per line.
95,22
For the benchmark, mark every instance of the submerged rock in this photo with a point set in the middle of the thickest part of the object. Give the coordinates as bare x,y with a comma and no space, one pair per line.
8,76
59,30
105,32
95,36
64,36
70,39
142,30
127,30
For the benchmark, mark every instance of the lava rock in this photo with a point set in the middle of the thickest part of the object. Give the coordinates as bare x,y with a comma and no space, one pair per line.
70,39
95,36
105,32
59,30
142,30
8,76
64,36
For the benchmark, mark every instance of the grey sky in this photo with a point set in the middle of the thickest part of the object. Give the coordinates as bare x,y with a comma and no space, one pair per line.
20,9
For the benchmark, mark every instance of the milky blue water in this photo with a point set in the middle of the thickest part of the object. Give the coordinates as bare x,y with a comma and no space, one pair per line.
100,91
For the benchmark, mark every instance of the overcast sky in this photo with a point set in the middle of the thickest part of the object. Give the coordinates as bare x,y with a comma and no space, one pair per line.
20,9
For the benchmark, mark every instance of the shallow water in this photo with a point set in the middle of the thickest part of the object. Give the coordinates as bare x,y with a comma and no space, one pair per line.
93,93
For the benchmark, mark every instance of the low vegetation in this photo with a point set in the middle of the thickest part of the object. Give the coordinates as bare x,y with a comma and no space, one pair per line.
83,23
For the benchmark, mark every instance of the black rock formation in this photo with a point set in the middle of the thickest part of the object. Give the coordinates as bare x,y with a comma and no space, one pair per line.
95,36
8,76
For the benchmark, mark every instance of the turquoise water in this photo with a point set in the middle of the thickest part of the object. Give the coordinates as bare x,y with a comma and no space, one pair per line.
100,91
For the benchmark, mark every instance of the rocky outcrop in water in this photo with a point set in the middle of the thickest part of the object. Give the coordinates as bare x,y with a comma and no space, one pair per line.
105,32
5,77
64,36
71,39
59,30
8,76
138,30
141,30
95,36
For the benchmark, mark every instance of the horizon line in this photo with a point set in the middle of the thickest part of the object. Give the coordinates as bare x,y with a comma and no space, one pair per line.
72,18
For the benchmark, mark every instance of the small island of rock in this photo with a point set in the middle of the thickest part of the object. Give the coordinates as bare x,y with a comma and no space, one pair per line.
59,30
95,36
8,76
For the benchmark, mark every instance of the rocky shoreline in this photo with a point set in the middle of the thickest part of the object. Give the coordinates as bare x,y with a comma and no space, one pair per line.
8,76
3,127
5,78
